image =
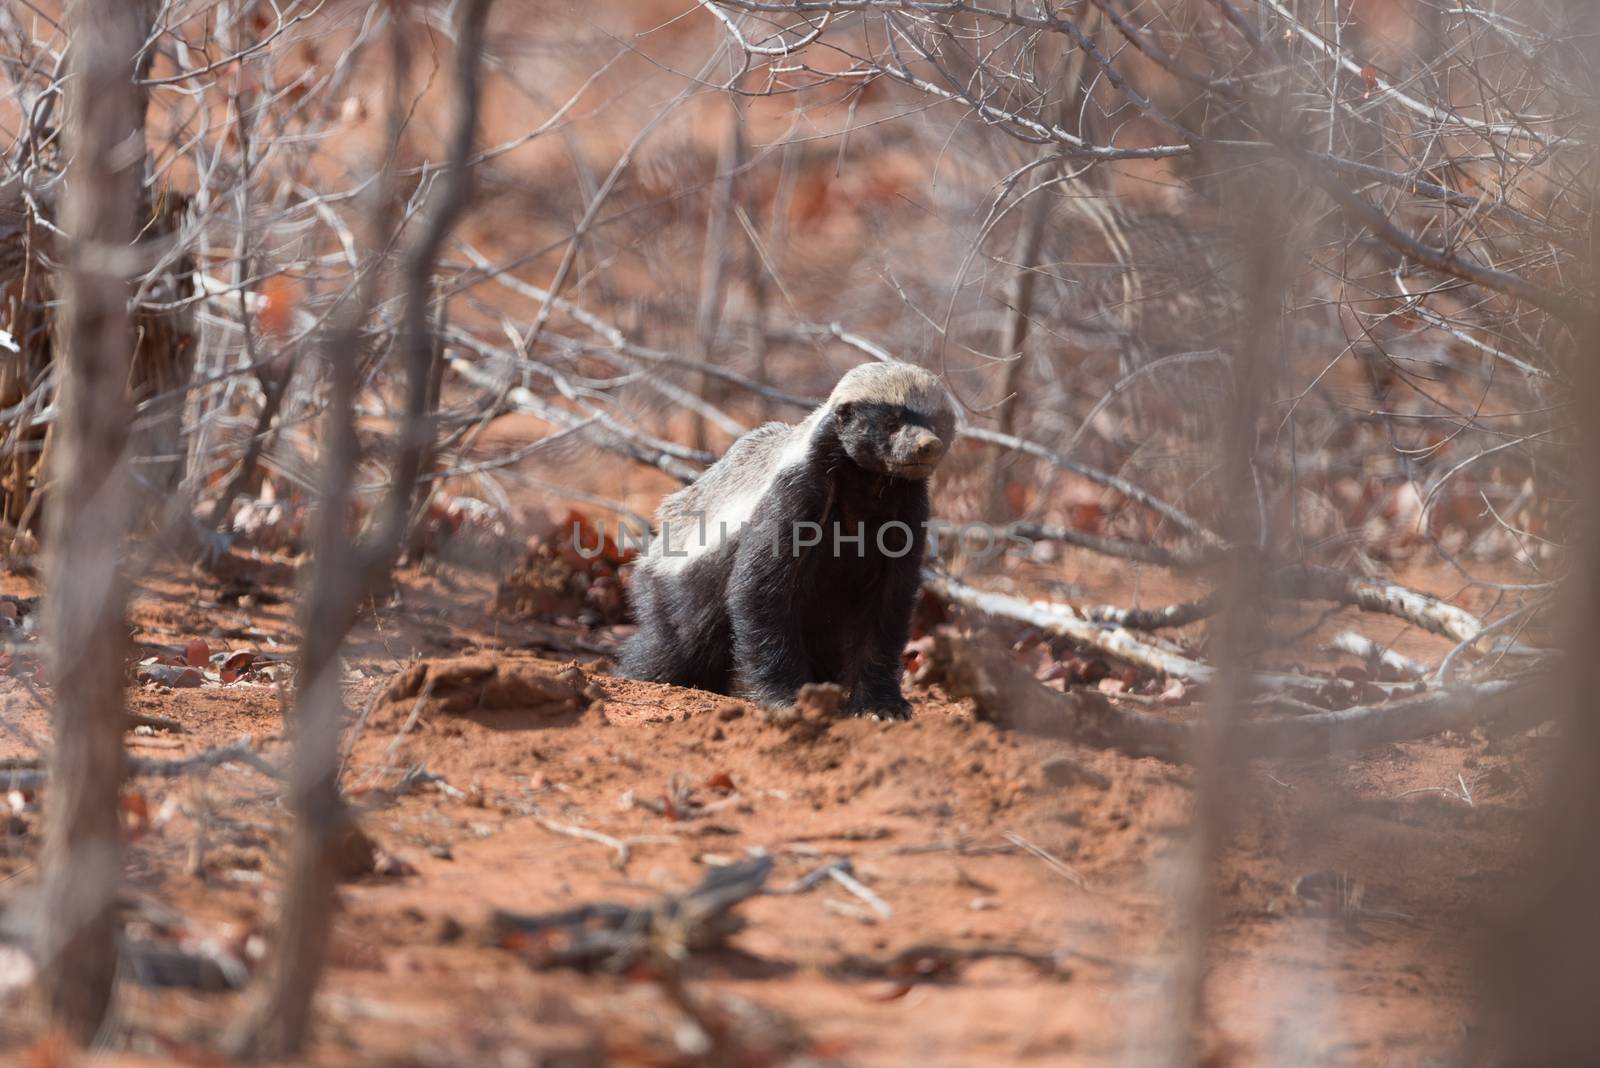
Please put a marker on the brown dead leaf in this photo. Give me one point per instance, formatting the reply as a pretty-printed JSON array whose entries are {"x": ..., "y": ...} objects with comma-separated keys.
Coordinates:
[
  {"x": 1087, "y": 516},
  {"x": 893, "y": 993},
  {"x": 915, "y": 655},
  {"x": 578, "y": 529},
  {"x": 1019, "y": 496},
  {"x": 279, "y": 298},
  {"x": 242, "y": 660},
  {"x": 135, "y": 812}
]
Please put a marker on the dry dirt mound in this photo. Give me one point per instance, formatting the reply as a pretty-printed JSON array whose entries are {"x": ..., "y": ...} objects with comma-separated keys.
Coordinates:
[{"x": 490, "y": 684}]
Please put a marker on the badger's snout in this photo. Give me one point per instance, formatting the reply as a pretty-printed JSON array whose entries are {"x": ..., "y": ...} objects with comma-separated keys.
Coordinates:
[
  {"x": 926, "y": 447},
  {"x": 916, "y": 452}
]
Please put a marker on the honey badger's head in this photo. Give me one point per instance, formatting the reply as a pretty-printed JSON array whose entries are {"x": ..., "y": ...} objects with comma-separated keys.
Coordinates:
[{"x": 893, "y": 419}]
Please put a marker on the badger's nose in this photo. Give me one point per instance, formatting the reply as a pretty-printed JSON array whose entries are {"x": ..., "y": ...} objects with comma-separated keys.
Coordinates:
[{"x": 927, "y": 448}]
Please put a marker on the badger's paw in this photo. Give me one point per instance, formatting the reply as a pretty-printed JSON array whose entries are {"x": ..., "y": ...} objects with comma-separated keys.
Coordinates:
[{"x": 885, "y": 710}]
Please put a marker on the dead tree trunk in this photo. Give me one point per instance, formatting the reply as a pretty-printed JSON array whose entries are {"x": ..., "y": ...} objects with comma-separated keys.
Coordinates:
[
  {"x": 1237, "y": 633},
  {"x": 86, "y": 595},
  {"x": 278, "y": 1022},
  {"x": 1538, "y": 968}
]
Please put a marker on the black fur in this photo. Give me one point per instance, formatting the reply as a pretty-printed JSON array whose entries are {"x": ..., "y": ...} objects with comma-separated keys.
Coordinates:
[{"x": 763, "y": 614}]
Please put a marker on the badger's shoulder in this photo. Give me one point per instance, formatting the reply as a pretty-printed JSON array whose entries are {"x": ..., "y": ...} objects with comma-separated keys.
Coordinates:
[
  {"x": 743, "y": 463},
  {"x": 709, "y": 513}
]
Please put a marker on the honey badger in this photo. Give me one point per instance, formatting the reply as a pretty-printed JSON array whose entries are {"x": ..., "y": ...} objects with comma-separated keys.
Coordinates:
[{"x": 797, "y": 556}]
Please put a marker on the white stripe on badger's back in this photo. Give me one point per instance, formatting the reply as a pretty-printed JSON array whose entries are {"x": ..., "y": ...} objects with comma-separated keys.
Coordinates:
[{"x": 702, "y": 517}]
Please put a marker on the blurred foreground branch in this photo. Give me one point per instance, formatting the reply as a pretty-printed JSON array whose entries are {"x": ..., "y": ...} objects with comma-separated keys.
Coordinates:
[
  {"x": 346, "y": 572},
  {"x": 89, "y": 515}
]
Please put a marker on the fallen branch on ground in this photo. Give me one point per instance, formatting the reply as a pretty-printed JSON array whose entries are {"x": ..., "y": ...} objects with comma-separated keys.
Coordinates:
[
  {"x": 621, "y": 847},
  {"x": 240, "y": 752},
  {"x": 1008, "y": 695},
  {"x": 1314, "y": 583},
  {"x": 1106, "y": 628},
  {"x": 1109, "y": 639},
  {"x": 1173, "y": 615},
  {"x": 1053, "y": 862},
  {"x": 1374, "y": 595},
  {"x": 929, "y": 962},
  {"x": 159, "y": 723},
  {"x": 1377, "y": 655},
  {"x": 609, "y": 937}
]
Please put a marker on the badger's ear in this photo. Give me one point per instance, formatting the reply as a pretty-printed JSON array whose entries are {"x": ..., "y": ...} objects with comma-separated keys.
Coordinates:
[{"x": 842, "y": 412}]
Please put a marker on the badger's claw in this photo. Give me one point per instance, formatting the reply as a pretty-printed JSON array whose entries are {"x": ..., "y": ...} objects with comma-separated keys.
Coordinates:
[{"x": 887, "y": 711}]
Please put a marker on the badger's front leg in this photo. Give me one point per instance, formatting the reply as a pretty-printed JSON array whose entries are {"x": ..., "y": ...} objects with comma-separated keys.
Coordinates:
[
  {"x": 877, "y": 688},
  {"x": 769, "y": 650}
]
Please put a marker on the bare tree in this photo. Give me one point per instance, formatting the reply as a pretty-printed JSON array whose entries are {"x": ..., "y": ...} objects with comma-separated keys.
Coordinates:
[
  {"x": 89, "y": 514},
  {"x": 1536, "y": 970},
  {"x": 345, "y": 573},
  {"x": 1536, "y": 967}
]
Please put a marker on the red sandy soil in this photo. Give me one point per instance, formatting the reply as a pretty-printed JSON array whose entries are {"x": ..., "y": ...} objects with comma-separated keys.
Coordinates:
[{"x": 1348, "y": 902}]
